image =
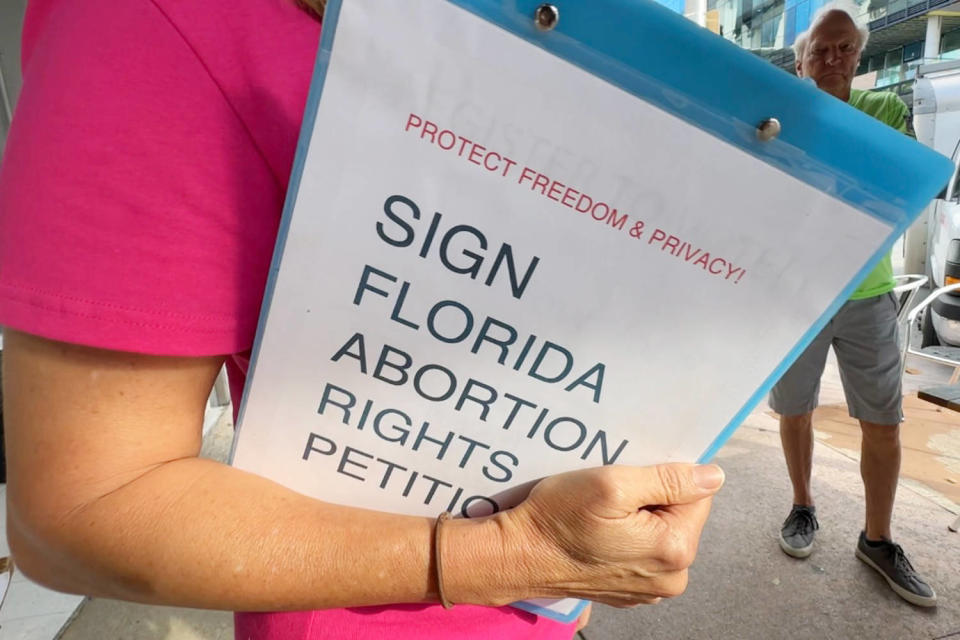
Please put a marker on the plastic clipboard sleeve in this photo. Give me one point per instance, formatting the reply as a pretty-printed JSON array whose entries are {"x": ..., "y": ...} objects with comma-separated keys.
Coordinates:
[
  {"x": 662, "y": 58},
  {"x": 684, "y": 69}
]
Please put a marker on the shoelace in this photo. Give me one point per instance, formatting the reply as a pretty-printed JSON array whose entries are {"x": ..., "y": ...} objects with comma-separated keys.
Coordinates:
[
  {"x": 803, "y": 522},
  {"x": 900, "y": 561}
]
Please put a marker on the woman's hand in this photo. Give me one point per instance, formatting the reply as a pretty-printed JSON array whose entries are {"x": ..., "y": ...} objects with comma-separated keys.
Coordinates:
[{"x": 618, "y": 535}]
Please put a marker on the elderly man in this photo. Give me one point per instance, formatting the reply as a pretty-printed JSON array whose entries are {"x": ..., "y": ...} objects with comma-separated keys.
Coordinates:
[{"x": 864, "y": 336}]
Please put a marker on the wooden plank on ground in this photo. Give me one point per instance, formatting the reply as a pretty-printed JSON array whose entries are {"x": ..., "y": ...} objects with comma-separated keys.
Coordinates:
[{"x": 930, "y": 436}]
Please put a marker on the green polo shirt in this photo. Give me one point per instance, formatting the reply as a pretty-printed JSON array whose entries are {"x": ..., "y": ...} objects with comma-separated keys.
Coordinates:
[{"x": 887, "y": 108}]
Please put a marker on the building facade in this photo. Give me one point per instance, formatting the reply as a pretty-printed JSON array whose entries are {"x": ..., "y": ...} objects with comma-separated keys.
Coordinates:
[{"x": 903, "y": 34}]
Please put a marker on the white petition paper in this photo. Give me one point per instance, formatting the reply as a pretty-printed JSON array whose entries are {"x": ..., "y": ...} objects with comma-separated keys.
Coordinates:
[{"x": 499, "y": 267}]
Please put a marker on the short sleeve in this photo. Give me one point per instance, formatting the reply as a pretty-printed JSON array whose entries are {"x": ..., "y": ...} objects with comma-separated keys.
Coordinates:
[
  {"x": 136, "y": 213},
  {"x": 898, "y": 113}
]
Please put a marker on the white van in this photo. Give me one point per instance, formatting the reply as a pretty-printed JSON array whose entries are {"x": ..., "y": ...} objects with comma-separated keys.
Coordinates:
[{"x": 935, "y": 240}]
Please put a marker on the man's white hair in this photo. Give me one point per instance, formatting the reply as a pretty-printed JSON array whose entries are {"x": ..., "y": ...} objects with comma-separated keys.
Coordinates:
[{"x": 844, "y": 6}]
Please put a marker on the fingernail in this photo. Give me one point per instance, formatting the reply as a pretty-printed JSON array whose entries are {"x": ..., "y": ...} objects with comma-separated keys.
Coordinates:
[{"x": 708, "y": 476}]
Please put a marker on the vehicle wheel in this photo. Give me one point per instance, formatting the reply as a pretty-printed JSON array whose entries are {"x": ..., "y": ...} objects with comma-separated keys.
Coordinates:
[{"x": 927, "y": 334}]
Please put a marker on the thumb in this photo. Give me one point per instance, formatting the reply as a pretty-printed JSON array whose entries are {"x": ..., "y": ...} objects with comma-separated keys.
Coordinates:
[{"x": 675, "y": 483}]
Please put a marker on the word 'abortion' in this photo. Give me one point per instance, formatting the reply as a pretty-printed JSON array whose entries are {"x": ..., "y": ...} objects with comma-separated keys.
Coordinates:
[{"x": 452, "y": 322}]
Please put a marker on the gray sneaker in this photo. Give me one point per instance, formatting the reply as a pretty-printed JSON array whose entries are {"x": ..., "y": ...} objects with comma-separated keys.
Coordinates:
[
  {"x": 890, "y": 561},
  {"x": 796, "y": 534}
]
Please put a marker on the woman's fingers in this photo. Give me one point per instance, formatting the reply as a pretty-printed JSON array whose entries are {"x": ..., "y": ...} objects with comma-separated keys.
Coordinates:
[
  {"x": 619, "y": 535},
  {"x": 673, "y": 533},
  {"x": 668, "y": 484}
]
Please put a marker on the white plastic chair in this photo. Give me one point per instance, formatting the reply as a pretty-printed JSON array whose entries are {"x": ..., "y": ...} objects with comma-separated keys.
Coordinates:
[
  {"x": 908, "y": 283},
  {"x": 942, "y": 354}
]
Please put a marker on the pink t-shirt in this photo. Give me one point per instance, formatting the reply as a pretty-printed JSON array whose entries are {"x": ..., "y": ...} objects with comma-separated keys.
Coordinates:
[{"x": 140, "y": 194}]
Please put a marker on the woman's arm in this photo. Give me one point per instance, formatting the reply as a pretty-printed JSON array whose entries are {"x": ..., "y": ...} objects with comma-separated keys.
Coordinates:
[{"x": 106, "y": 497}]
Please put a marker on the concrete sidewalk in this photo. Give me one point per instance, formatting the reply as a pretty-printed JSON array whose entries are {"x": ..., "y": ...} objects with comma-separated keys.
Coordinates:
[{"x": 742, "y": 586}]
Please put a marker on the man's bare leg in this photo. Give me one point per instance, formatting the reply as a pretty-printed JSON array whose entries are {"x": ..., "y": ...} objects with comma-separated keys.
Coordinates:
[
  {"x": 796, "y": 436},
  {"x": 796, "y": 534},
  {"x": 880, "y": 469}
]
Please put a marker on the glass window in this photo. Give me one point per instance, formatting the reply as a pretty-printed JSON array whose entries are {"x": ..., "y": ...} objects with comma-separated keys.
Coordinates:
[
  {"x": 728, "y": 16},
  {"x": 913, "y": 51},
  {"x": 896, "y": 5},
  {"x": 876, "y": 62},
  {"x": 876, "y": 9},
  {"x": 950, "y": 41},
  {"x": 790, "y": 27},
  {"x": 769, "y": 32},
  {"x": 803, "y": 16},
  {"x": 893, "y": 58}
]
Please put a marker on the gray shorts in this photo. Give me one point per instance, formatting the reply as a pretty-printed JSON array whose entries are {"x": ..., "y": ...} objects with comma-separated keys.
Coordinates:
[{"x": 865, "y": 337}]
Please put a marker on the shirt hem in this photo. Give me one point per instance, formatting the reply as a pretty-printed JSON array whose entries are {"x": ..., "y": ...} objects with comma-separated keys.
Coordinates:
[
  {"x": 873, "y": 293},
  {"x": 105, "y": 326}
]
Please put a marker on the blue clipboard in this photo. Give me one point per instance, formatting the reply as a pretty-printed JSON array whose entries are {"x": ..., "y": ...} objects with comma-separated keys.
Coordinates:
[{"x": 671, "y": 63}]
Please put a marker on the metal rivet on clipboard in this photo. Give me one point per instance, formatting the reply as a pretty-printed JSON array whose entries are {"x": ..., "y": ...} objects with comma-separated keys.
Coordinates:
[
  {"x": 546, "y": 17},
  {"x": 768, "y": 129}
]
